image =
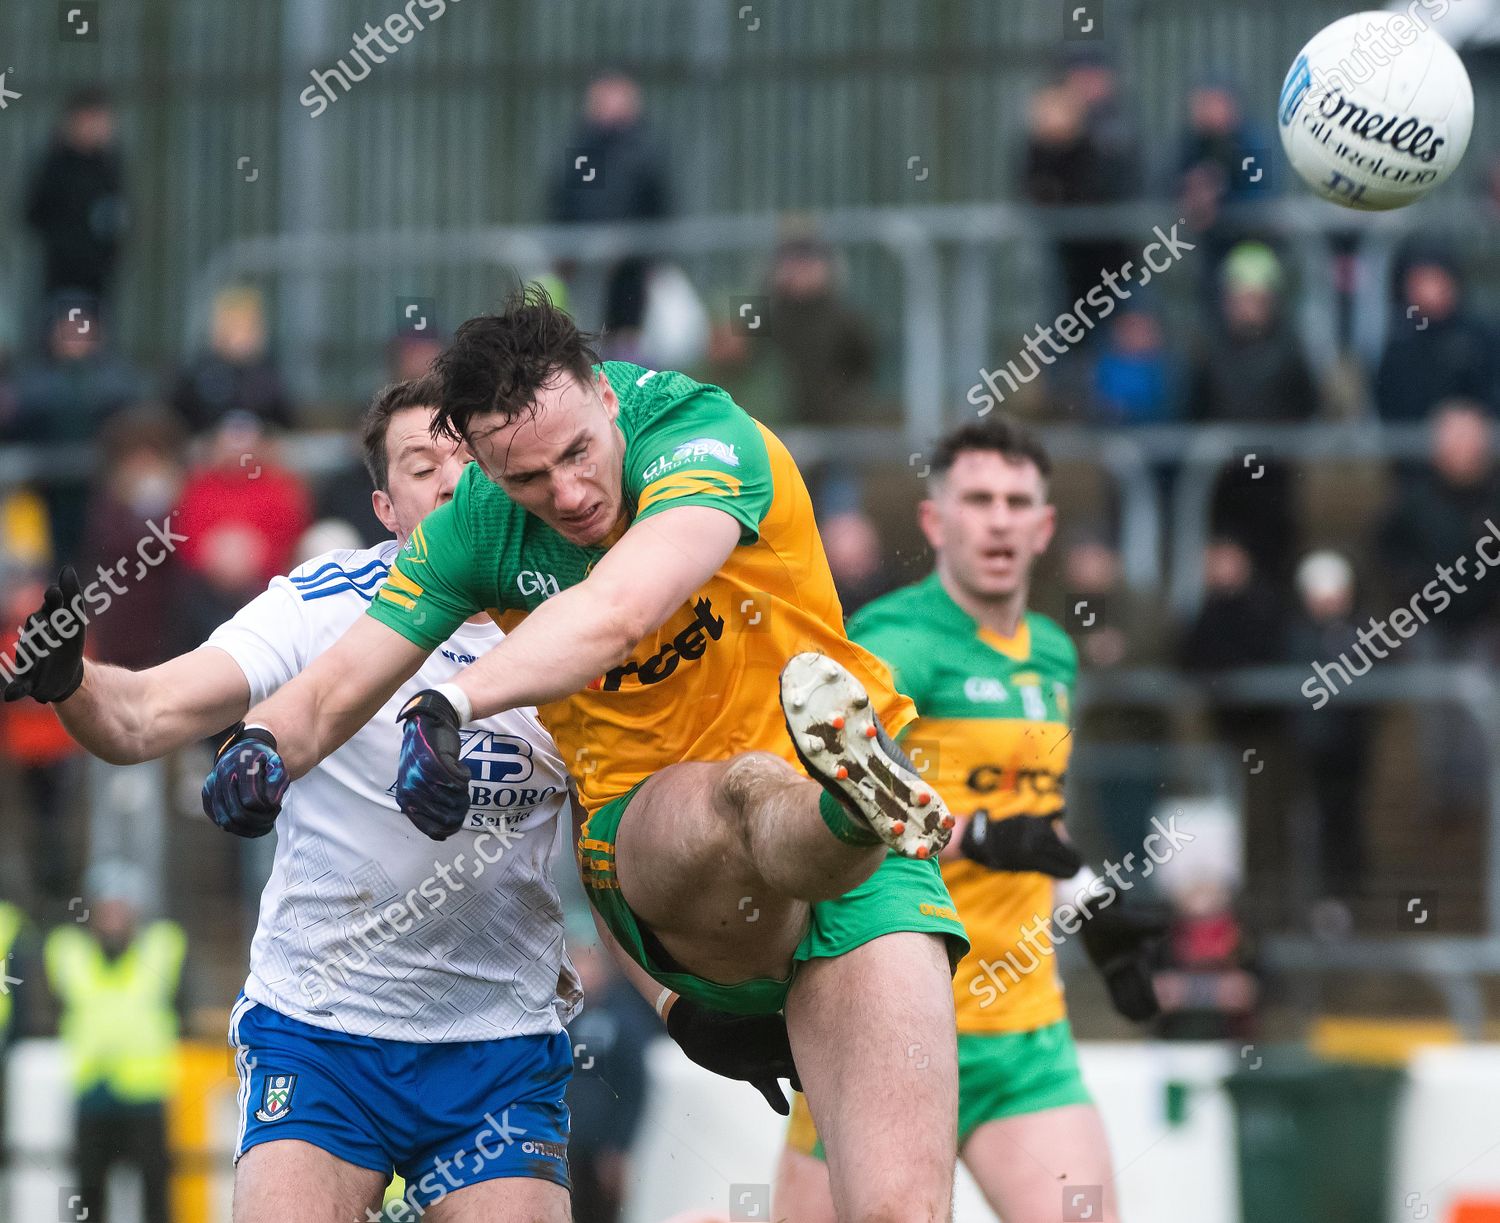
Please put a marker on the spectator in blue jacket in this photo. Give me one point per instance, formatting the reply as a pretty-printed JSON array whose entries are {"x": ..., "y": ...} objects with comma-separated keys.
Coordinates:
[{"x": 1437, "y": 348}]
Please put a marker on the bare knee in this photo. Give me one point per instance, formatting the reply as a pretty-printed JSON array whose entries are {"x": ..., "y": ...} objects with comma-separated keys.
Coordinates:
[
  {"x": 745, "y": 778},
  {"x": 772, "y": 810},
  {"x": 900, "y": 1203},
  {"x": 898, "y": 1209}
]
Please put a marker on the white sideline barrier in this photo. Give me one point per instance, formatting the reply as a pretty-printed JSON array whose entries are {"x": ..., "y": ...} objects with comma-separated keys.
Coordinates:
[
  {"x": 1447, "y": 1132},
  {"x": 704, "y": 1138},
  {"x": 707, "y": 1143},
  {"x": 39, "y": 1117}
]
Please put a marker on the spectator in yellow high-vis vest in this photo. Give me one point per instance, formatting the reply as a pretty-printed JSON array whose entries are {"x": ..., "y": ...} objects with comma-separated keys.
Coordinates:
[
  {"x": 18, "y": 955},
  {"x": 16, "y": 939},
  {"x": 117, "y": 981}
]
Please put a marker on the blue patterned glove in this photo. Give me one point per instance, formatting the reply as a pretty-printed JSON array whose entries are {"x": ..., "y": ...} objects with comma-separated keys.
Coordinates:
[
  {"x": 432, "y": 784},
  {"x": 244, "y": 789}
]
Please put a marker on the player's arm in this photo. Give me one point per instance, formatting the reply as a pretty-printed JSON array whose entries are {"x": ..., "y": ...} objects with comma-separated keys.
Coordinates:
[
  {"x": 642, "y": 981},
  {"x": 577, "y": 635},
  {"x": 121, "y": 716},
  {"x": 304, "y": 721},
  {"x": 1122, "y": 938},
  {"x": 431, "y": 589},
  {"x": 1019, "y": 843},
  {"x": 342, "y": 689},
  {"x": 124, "y": 717}
]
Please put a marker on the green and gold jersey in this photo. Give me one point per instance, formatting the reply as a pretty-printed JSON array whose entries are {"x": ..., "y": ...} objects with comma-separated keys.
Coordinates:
[
  {"x": 991, "y": 734},
  {"x": 705, "y": 685}
]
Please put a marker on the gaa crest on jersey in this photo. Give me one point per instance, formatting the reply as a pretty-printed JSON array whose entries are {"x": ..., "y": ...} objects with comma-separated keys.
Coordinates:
[
  {"x": 276, "y": 1097},
  {"x": 984, "y": 690}
]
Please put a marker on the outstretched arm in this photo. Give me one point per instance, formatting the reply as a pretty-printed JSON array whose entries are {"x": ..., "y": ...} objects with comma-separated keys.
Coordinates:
[
  {"x": 124, "y": 717},
  {"x": 121, "y": 716},
  {"x": 341, "y": 690},
  {"x": 576, "y": 636}
]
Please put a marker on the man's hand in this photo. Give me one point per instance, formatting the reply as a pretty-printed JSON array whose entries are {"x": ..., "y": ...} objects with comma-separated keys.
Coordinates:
[
  {"x": 751, "y": 1048},
  {"x": 55, "y": 672},
  {"x": 244, "y": 789},
  {"x": 432, "y": 785},
  {"x": 1020, "y": 843},
  {"x": 1123, "y": 943}
]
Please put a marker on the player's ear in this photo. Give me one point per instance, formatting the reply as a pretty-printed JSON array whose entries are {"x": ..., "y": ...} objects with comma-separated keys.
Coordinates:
[
  {"x": 607, "y": 396},
  {"x": 1046, "y": 528},
  {"x": 385, "y": 511},
  {"x": 928, "y": 519}
]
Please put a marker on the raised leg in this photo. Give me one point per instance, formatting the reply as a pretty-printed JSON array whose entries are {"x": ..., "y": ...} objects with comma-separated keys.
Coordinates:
[{"x": 721, "y": 860}]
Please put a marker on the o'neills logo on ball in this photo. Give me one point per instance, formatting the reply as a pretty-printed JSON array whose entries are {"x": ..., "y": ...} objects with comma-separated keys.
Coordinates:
[{"x": 1403, "y": 133}]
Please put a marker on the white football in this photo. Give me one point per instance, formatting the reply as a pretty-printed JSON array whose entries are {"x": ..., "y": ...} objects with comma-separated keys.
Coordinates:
[{"x": 1376, "y": 111}]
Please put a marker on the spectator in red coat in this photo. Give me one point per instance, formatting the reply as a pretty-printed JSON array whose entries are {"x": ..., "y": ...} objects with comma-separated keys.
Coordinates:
[
  {"x": 36, "y": 746},
  {"x": 242, "y": 514}
]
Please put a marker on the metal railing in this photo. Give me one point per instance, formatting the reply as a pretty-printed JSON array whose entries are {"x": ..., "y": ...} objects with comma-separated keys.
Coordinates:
[
  {"x": 1151, "y": 559},
  {"x": 946, "y": 256},
  {"x": 949, "y": 325},
  {"x": 1200, "y": 454},
  {"x": 1452, "y": 963}
]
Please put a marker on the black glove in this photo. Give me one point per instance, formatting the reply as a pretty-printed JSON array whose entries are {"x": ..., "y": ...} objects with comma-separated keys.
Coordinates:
[
  {"x": 243, "y": 791},
  {"x": 752, "y": 1048},
  {"x": 1123, "y": 943},
  {"x": 1020, "y": 843},
  {"x": 55, "y": 672},
  {"x": 432, "y": 784}
]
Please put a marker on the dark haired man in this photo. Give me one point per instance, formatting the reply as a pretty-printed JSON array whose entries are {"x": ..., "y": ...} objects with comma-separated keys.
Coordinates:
[
  {"x": 652, "y": 553},
  {"x": 404, "y": 1007},
  {"x": 991, "y": 681}
]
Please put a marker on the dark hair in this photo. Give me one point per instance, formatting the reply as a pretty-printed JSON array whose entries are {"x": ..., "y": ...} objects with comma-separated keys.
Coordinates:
[
  {"x": 999, "y": 435},
  {"x": 424, "y": 392},
  {"x": 89, "y": 97},
  {"x": 499, "y": 362}
]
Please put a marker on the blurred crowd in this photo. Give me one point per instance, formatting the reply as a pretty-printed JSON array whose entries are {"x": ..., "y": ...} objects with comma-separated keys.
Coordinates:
[{"x": 205, "y": 447}]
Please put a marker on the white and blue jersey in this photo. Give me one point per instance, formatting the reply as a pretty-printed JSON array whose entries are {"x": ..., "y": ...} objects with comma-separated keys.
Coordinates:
[{"x": 367, "y": 927}]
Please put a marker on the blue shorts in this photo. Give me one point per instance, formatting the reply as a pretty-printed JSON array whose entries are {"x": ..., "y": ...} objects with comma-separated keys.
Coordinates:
[{"x": 442, "y": 1115}]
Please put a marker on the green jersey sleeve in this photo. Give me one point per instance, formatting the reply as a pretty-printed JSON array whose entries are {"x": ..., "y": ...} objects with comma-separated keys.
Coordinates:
[
  {"x": 703, "y": 450},
  {"x": 436, "y": 582}
]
